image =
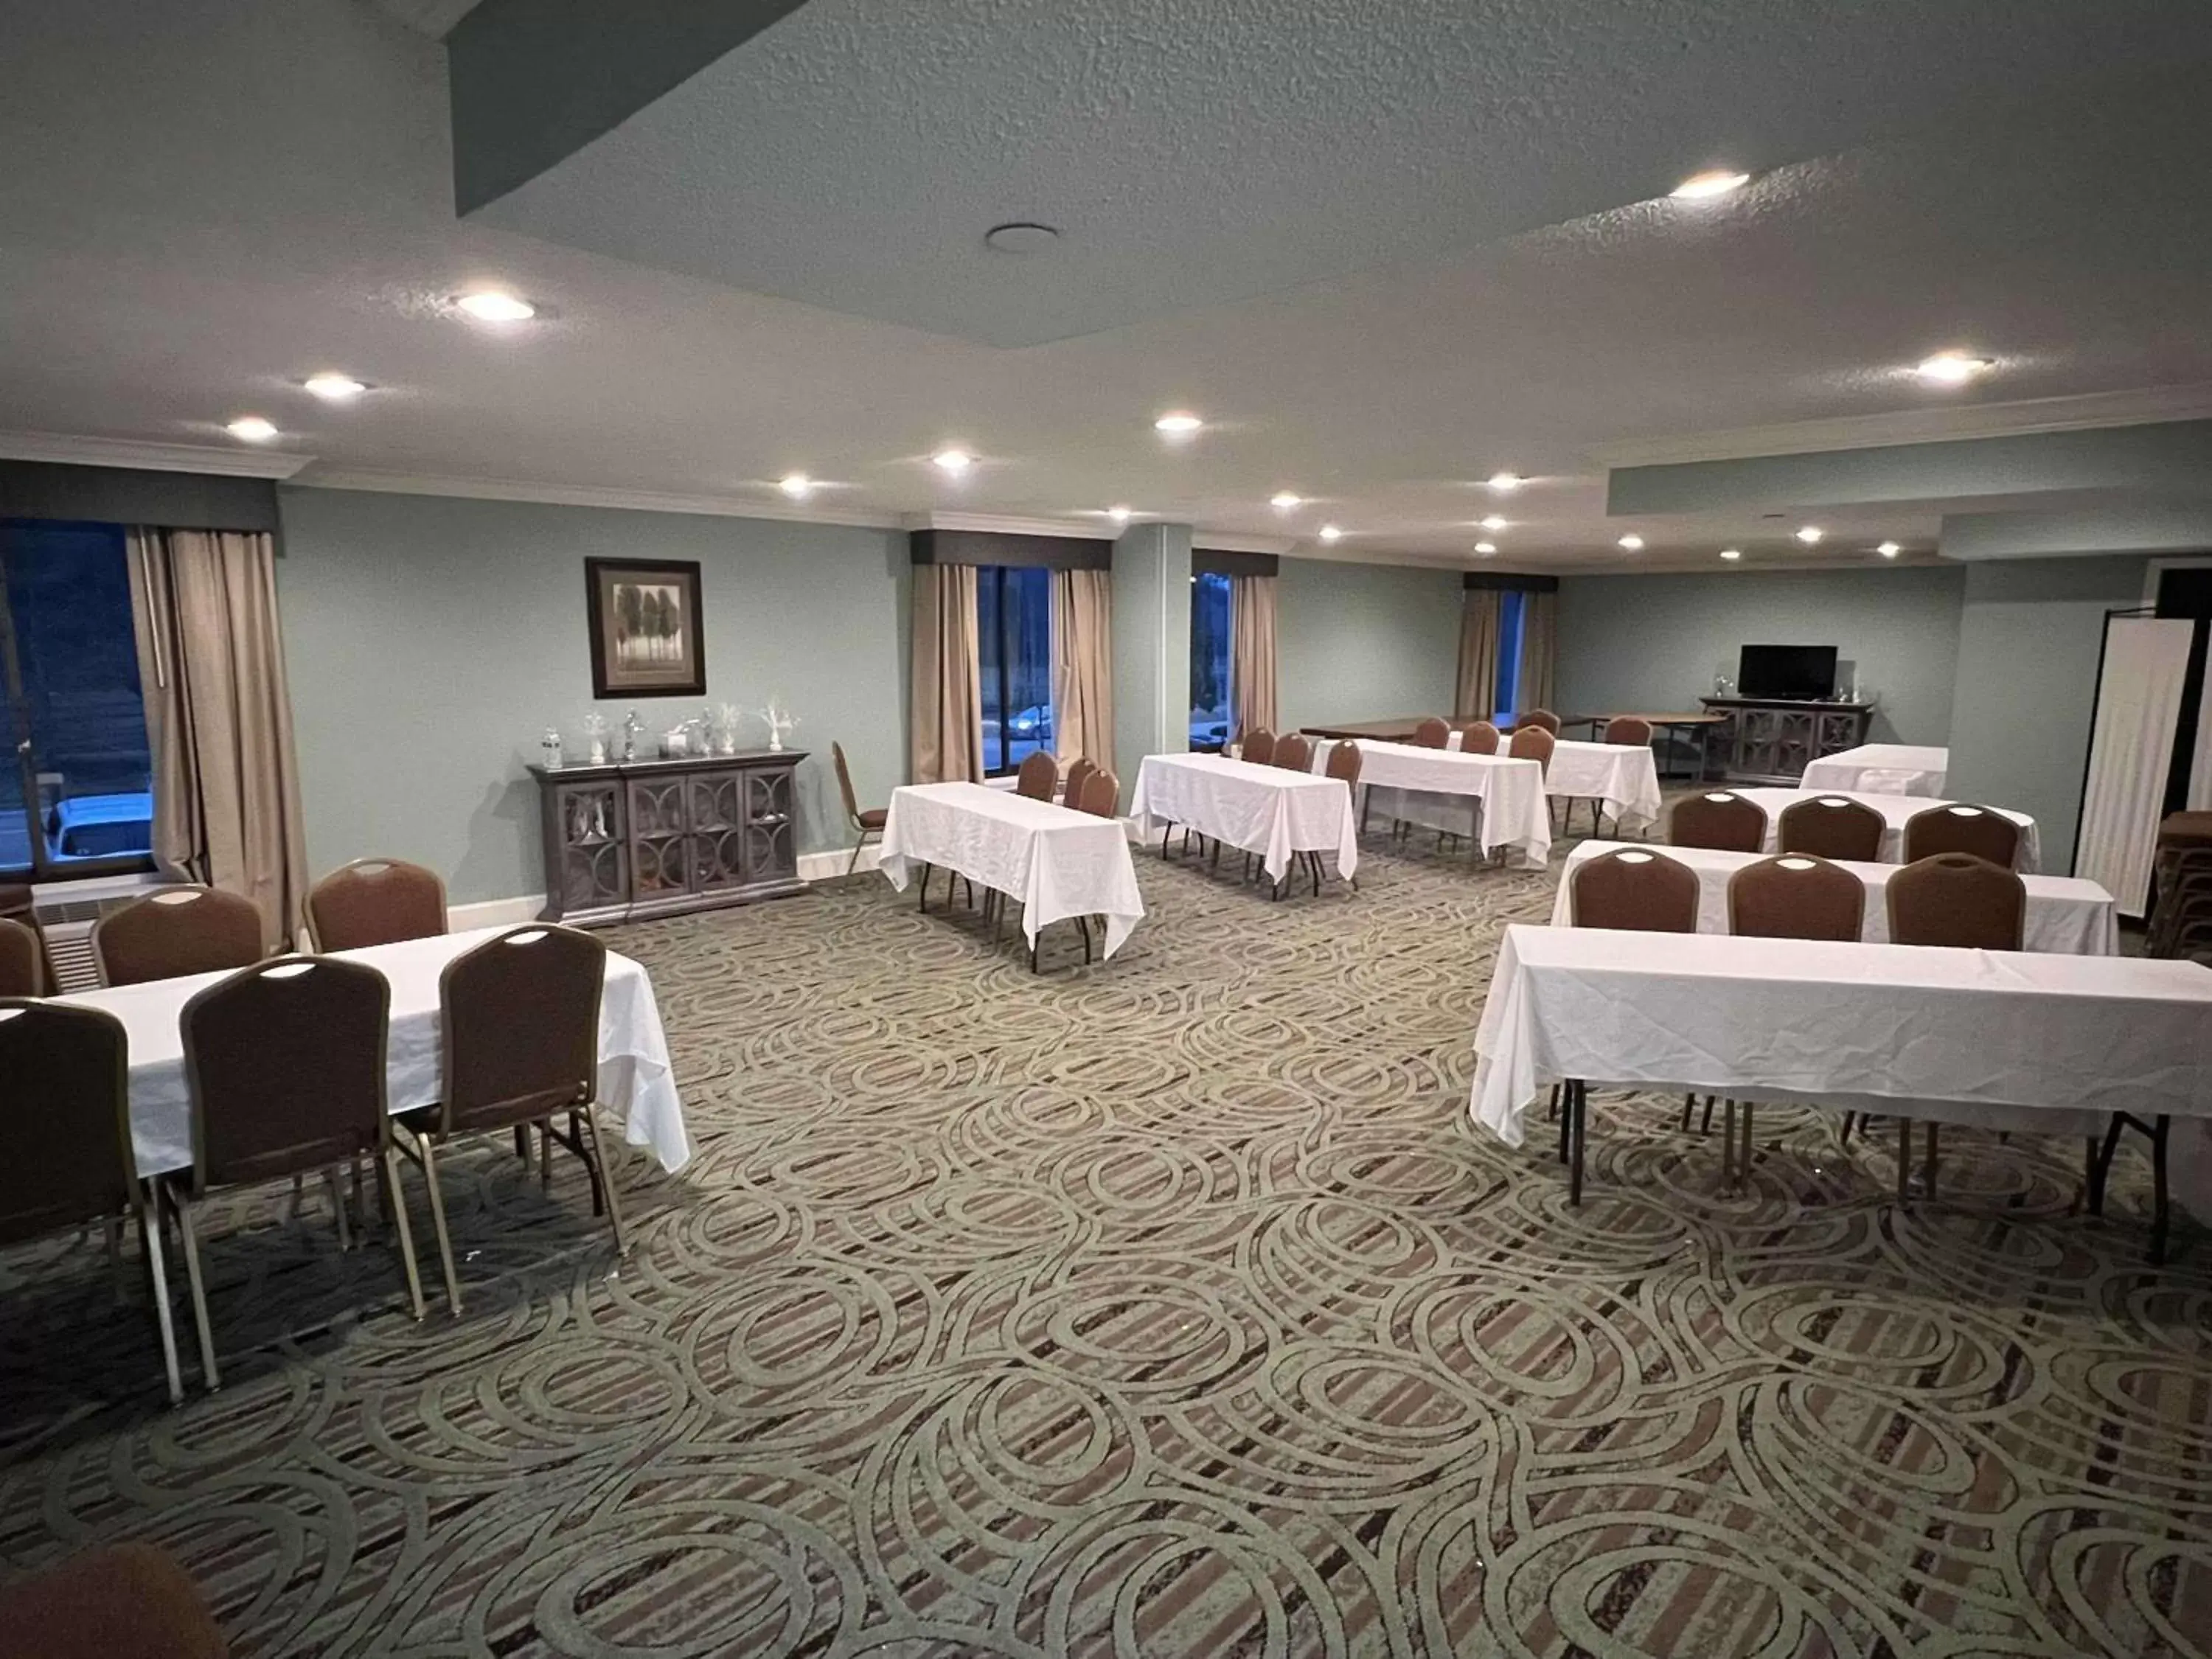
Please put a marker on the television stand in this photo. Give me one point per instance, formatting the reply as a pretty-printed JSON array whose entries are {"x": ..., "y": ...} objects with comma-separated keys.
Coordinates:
[{"x": 1774, "y": 739}]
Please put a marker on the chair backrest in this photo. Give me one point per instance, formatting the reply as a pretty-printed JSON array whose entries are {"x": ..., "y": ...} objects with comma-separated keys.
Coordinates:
[
  {"x": 1796, "y": 897},
  {"x": 285, "y": 1063},
  {"x": 1344, "y": 759},
  {"x": 1294, "y": 753},
  {"x": 1531, "y": 743},
  {"x": 1434, "y": 733},
  {"x": 63, "y": 1078},
  {"x": 1642, "y": 891},
  {"x": 845, "y": 782},
  {"x": 1958, "y": 900},
  {"x": 23, "y": 960},
  {"x": 1078, "y": 772},
  {"x": 176, "y": 931},
  {"x": 1478, "y": 737},
  {"x": 1543, "y": 717},
  {"x": 1629, "y": 729},
  {"x": 521, "y": 1015},
  {"x": 1718, "y": 820},
  {"x": 1258, "y": 747},
  {"x": 1102, "y": 794},
  {"x": 376, "y": 902},
  {"x": 1038, "y": 777},
  {"x": 1961, "y": 828},
  {"x": 1831, "y": 827}
]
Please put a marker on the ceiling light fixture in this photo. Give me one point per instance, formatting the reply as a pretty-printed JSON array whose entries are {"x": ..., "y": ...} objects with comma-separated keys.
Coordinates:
[
  {"x": 1634, "y": 543},
  {"x": 1493, "y": 524},
  {"x": 1704, "y": 186},
  {"x": 1731, "y": 554},
  {"x": 1505, "y": 483},
  {"x": 1329, "y": 532},
  {"x": 797, "y": 485},
  {"x": 1020, "y": 236},
  {"x": 252, "y": 428},
  {"x": 1951, "y": 367},
  {"x": 953, "y": 461},
  {"x": 491, "y": 304},
  {"x": 1809, "y": 534},
  {"x": 1119, "y": 514},
  {"x": 1178, "y": 424},
  {"x": 1889, "y": 549},
  {"x": 1487, "y": 549},
  {"x": 334, "y": 388},
  {"x": 1284, "y": 502}
]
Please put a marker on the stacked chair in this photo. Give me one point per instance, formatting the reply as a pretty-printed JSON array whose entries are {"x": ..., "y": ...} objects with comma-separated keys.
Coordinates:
[{"x": 2181, "y": 903}]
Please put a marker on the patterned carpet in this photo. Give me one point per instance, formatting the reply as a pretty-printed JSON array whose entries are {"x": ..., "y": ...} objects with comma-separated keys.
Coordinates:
[{"x": 1167, "y": 1307}]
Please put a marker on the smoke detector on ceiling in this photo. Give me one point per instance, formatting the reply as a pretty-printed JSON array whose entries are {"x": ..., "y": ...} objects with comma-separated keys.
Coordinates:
[{"x": 1020, "y": 236}]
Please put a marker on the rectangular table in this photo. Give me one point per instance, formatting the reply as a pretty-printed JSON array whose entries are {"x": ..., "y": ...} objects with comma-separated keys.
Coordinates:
[
  {"x": 1255, "y": 809},
  {"x": 1895, "y": 811},
  {"x": 1623, "y": 777},
  {"x": 634, "y": 1081},
  {"x": 1499, "y": 801},
  {"x": 1399, "y": 729},
  {"x": 1882, "y": 769},
  {"x": 1700, "y": 724},
  {"x": 1058, "y": 862}
]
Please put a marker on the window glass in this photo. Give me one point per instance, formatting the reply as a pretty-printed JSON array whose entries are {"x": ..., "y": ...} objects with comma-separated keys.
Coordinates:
[
  {"x": 1013, "y": 619},
  {"x": 1209, "y": 662},
  {"x": 1507, "y": 690}
]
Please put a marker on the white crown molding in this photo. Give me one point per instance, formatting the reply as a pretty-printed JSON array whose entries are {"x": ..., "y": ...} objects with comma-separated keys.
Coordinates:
[
  {"x": 557, "y": 495},
  {"x": 1947, "y": 424},
  {"x": 1000, "y": 524},
  {"x": 1230, "y": 541},
  {"x": 75, "y": 451}
]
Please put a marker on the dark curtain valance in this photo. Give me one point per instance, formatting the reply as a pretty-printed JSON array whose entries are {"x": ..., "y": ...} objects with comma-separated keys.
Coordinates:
[
  {"x": 1476, "y": 581},
  {"x": 1218, "y": 562},
  {"x": 998, "y": 547},
  {"x": 117, "y": 494}
]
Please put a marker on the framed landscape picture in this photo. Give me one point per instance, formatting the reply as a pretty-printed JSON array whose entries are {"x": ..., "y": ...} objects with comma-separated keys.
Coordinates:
[{"x": 646, "y": 640}]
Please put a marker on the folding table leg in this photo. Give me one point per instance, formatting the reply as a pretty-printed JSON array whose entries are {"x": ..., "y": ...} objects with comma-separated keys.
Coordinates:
[
  {"x": 2157, "y": 1197},
  {"x": 1903, "y": 1160},
  {"x": 921, "y": 891},
  {"x": 388, "y": 1166},
  {"x": 150, "y": 1234},
  {"x": 338, "y": 1208},
  {"x": 1743, "y": 1155},
  {"x": 1927, "y": 1180},
  {"x": 1727, "y": 1143},
  {"x": 209, "y": 1374},
  {"x": 1580, "y": 1112}
]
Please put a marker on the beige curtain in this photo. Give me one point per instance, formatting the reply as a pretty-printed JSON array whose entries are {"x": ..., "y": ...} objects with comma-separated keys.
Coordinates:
[
  {"x": 1540, "y": 650},
  {"x": 1252, "y": 652},
  {"x": 1478, "y": 654},
  {"x": 219, "y": 718},
  {"x": 947, "y": 733},
  {"x": 1082, "y": 665}
]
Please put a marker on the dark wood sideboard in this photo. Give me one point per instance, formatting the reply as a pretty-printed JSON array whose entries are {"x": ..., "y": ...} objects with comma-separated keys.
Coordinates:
[
  {"x": 635, "y": 839},
  {"x": 1763, "y": 740}
]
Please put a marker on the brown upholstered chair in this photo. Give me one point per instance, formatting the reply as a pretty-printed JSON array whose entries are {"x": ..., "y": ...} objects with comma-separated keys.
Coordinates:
[
  {"x": 1038, "y": 776},
  {"x": 174, "y": 933},
  {"x": 1831, "y": 827},
  {"x": 1629, "y": 731},
  {"x": 376, "y": 902},
  {"x": 64, "y": 1093},
  {"x": 1640, "y": 891},
  {"x": 1294, "y": 753},
  {"x": 1532, "y": 742},
  {"x": 1961, "y": 828},
  {"x": 1102, "y": 794},
  {"x": 122, "y": 1601},
  {"x": 521, "y": 1018},
  {"x": 1434, "y": 733},
  {"x": 1079, "y": 772},
  {"x": 1958, "y": 900},
  {"x": 1258, "y": 747},
  {"x": 23, "y": 960},
  {"x": 1478, "y": 737},
  {"x": 865, "y": 821},
  {"x": 1540, "y": 717},
  {"x": 1718, "y": 821},
  {"x": 285, "y": 1065},
  {"x": 1344, "y": 759},
  {"x": 1796, "y": 897}
]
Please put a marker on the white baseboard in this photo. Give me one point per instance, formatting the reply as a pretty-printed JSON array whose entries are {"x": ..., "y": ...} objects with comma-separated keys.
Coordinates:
[
  {"x": 495, "y": 913},
  {"x": 828, "y": 866}
]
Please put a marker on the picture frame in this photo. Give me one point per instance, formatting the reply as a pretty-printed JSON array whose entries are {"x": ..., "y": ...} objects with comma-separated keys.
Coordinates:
[{"x": 646, "y": 636}]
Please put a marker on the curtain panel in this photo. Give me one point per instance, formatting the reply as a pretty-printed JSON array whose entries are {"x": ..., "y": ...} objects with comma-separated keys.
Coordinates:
[
  {"x": 946, "y": 730},
  {"x": 1082, "y": 665},
  {"x": 226, "y": 778},
  {"x": 1539, "y": 651},
  {"x": 1252, "y": 652},
  {"x": 1478, "y": 654}
]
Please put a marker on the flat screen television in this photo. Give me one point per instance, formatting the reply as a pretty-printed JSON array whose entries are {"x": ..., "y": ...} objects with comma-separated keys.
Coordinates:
[{"x": 1787, "y": 670}]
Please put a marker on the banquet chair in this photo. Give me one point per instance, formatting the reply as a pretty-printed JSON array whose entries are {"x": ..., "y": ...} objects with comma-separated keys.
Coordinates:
[
  {"x": 1960, "y": 828},
  {"x": 1631, "y": 731},
  {"x": 1344, "y": 759},
  {"x": 23, "y": 960},
  {"x": 1718, "y": 822},
  {"x": 1478, "y": 737},
  {"x": 1258, "y": 747},
  {"x": 1434, "y": 733},
  {"x": 1102, "y": 794},
  {"x": 1797, "y": 895},
  {"x": 1078, "y": 771},
  {"x": 1539, "y": 717},
  {"x": 375, "y": 901},
  {"x": 128, "y": 1601},
  {"x": 64, "y": 1089},
  {"x": 1531, "y": 743},
  {"x": 865, "y": 821},
  {"x": 1957, "y": 900},
  {"x": 1038, "y": 776},
  {"x": 521, "y": 1018},
  {"x": 1294, "y": 753},
  {"x": 1831, "y": 827},
  {"x": 174, "y": 933},
  {"x": 1638, "y": 891},
  {"x": 284, "y": 1064}
]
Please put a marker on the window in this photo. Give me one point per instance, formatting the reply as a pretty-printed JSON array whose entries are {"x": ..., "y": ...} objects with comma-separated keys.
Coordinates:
[
  {"x": 1209, "y": 662},
  {"x": 75, "y": 791},
  {"x": 1013, "y": 622},
  {"x": 1507, "y": 687}
]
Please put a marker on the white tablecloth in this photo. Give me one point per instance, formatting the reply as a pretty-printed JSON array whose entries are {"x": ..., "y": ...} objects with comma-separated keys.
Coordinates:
[
  {"x": 1409, "y": 783},
  {"x": 1882, "y": 769},
  {"x": 2007, "y": 1039},
  {"x": 1895, "y": 811},
  {"x": 1622, "y": 777},
  {"x": 1257, "y": 809},
  {"x": 2065, "y": 916},
  {"x": 634, "y": 1081},
  {"x": 1057, "y": 861}
]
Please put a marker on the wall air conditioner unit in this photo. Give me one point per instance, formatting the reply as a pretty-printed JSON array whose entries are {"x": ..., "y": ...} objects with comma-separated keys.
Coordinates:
[{"x": 66, "y": 926}]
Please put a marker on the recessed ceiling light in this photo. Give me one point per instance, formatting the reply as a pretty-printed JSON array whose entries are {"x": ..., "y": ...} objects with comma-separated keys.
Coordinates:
[
  {"x": 1119, "y": 514},
  {"x": 252, "y": 428},
  {"x": 1505, "y": 483},
  {"x": 1951, "y": 367},
  {"x": 1731, "y": 554},
  {"x": 1178, "y": 424},
  {"x": 1284, "y": 502},
  {"x": 1889, "y": 549},
  {"x": 1715, "y": 181},
  {"x": 335, "y": 388},
  {"x": 1020, "y": 236},
  {"x": 1633, "y": 543},
  {"x": 797, "y": 485},
  {"x": 1493, "y": 524},
  {"x": 1329, "y": 532},
  {"x": 1486, "y": 547},
  {"x": 1809, "y": 534},
  {"x": 954, "y": 461},
  {"x": 491, "y": 304}
]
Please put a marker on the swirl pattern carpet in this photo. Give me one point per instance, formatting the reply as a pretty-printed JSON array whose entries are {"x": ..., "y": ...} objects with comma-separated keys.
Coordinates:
[{"x": 1170, "y": 1306}]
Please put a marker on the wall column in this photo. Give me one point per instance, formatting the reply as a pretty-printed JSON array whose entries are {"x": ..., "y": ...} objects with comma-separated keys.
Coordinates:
[{"x": 1151, "y": 646}]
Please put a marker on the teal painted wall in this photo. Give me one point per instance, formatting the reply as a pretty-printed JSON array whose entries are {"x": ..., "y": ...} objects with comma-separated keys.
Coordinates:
[
  {"x": 430, "y": 640},
  {"x": 1363, "y": 641},
  {"x": 1152, "y": 647}
]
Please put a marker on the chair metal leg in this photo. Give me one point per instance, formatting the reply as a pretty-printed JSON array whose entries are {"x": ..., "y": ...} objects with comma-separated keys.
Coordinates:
[
  {"x": 299, "y": 1197},
  {"x": 1578, "y": 1110},
  {"x": 1083, "y": 926},
  {"x": 522, "y": 1141},
  {"x": 427, "y": 1158},
  {"x": 1688, "y": 1101},
  {"x": 331, "y": 1179},
  {"x": 1903, "y": 1160},
  {"x": 149, "y": 1235},
  {"x": 606, "y": 1176},
  {"x": 1727, "y": 1143},
  {"x": 209, "y": 1374},
  {"x": 119, "y": 1275},
  {"x": 2159, "y": 1211},
  {"x": 1851, "y": 1119},
  {"x": 855, "y": 863},
  {"x": 389, "y": 1166},
  {"x": 1167, "y": 829},
  {"x": 546, "y": 1159},
  {"x": 1706, "y": 1122},
  {"x": 1929, "y": 1179},
  {"x": 922, "y": 893},
  {"x": 1743, "y": 1154}
]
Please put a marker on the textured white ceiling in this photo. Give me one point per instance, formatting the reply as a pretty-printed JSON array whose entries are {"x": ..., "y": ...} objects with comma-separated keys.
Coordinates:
[
  {"x": 434, "y": 18},
  {"x": 207, "y": 200}
]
